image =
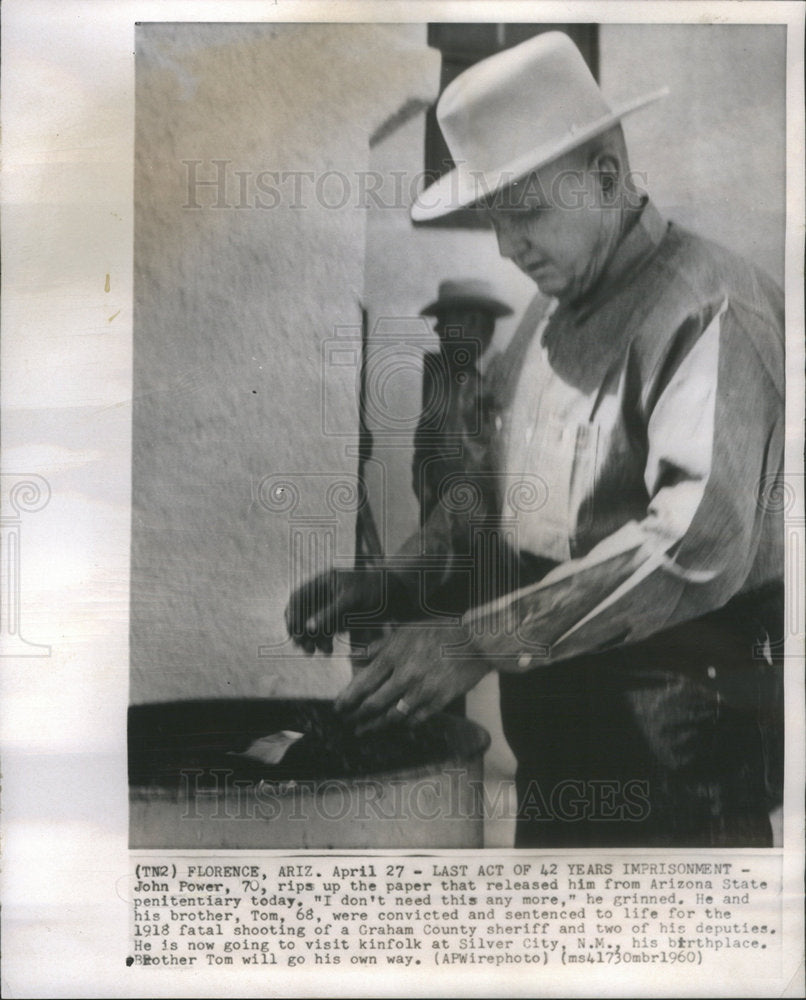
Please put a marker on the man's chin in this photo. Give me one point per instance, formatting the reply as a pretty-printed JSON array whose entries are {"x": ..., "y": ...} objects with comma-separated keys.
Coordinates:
[{"x": 548, "y": 284}]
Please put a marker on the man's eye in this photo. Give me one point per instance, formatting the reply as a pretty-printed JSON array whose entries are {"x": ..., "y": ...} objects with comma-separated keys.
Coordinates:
[{"x": 533, "y": 207}]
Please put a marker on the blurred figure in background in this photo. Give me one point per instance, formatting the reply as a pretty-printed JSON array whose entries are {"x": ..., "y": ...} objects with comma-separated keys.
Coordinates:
[{"x": 445, "y": 445}]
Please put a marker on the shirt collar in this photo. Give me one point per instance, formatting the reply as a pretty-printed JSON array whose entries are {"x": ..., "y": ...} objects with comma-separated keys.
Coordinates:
[{"x": 635, "y": 249}]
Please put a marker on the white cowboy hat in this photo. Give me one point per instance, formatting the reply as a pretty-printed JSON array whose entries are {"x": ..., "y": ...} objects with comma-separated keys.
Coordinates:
[
  {"x": 513, "y": 113},
  {"x": 468, "y": 293}
]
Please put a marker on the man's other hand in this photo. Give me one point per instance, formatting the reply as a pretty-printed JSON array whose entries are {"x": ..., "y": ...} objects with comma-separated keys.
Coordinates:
[
  {"x": 319, "y": 608},
  {"x": 413, "y": 676}
]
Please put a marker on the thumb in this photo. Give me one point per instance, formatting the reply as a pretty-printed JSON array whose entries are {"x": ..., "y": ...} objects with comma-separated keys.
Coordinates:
[{"x": 364, "y": 682}]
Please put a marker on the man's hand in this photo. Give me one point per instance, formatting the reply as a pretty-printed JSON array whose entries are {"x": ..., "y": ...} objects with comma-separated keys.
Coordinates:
[
  {"x": 413, "y": 676},
  {"x": 318, "y": 609}
]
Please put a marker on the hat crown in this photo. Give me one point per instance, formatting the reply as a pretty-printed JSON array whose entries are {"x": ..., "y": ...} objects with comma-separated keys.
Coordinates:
[
  {"x": 513, "y": 113},
  {"x": 470, "y": 288},
  {"x": 523, "y": 99}
]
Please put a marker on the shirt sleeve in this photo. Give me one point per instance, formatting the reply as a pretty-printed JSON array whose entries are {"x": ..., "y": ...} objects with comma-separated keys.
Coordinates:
[
  {"x": 714, "y": 431},
  {"x": 425, "y": 564}
]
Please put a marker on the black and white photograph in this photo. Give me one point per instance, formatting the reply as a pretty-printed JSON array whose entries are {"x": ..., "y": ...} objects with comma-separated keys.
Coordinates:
[
  {"x": 458, "y": 395},
  {"x": 403, "y": 520}
]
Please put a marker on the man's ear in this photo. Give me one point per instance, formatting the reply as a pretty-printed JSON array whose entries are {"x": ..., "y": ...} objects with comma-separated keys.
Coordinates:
[{"x": 606, "y": 167}]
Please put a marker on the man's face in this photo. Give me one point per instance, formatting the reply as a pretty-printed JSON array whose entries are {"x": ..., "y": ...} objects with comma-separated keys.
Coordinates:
[
  {"x": 554, "y": 226},
  {"x": 464, "y": 323}
]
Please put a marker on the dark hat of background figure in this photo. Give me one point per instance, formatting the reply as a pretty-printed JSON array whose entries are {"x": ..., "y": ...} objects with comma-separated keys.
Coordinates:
[{"x": 467, "y": 293}]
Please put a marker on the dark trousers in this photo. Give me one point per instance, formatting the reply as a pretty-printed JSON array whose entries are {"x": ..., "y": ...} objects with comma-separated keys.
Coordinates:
[{"x": 672, "y": 741}]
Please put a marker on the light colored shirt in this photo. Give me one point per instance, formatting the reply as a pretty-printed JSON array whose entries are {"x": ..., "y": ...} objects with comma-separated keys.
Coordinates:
[{"x": 638, "y": 436}]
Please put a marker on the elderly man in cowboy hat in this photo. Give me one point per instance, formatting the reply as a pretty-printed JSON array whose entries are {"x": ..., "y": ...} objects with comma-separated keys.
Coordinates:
[{"x": 639, "y": 651}]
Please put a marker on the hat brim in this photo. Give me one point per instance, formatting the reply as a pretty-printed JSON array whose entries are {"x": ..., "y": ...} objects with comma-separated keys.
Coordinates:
[
  {"x": 492, "y": 306},
  {"x": 463, "y": 187}
]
